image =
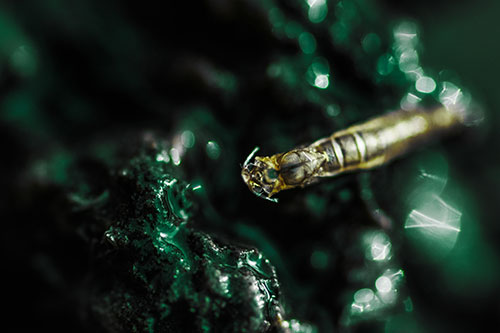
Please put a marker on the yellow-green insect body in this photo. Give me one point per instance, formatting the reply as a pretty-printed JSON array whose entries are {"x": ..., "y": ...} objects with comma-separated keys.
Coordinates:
[{"x": 360, "y": 147}]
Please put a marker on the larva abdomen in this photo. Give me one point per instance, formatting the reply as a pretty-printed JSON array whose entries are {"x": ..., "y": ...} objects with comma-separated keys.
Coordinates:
[{"x": 384, "y": 138}]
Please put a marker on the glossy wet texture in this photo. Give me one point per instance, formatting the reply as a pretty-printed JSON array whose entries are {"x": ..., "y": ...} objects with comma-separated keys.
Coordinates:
[{"x": 124, "y": 127}]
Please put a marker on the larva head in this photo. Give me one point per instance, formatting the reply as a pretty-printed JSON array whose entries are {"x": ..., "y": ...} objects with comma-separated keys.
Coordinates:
[{"x": 261, "y": 176}]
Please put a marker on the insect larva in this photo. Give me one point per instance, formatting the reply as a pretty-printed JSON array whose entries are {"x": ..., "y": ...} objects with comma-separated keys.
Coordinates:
[{"x": 359, "y": 147}]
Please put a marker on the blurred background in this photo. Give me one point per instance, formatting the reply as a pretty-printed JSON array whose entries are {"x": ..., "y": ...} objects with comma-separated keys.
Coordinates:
[{"x": 411, "y": 247}]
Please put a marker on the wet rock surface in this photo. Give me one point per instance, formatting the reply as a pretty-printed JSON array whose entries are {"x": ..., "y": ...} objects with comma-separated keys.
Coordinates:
[{"x": 123, "y": 129}]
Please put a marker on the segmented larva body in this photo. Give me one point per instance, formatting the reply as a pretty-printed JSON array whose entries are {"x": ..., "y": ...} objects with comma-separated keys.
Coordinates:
[
  {"x": 381, "y": 139},
  {"x": 359, "y": 147}
]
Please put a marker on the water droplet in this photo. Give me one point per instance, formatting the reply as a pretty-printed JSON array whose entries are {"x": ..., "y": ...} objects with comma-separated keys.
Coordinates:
[
  {"x": 452, "y": 96},
  {"x": 425, "y": 84},
  {"x": 408, "y": 61},
  {"x": 187, "y": 139},
  {"x": 433, "y": 225},
  {"x": 276, "y": 17},
  {"x": 364, "y": 295},
  {"x": 406, "y": 34},
  {"x": 293, "y": 29},
  {"x": 320, "y": 66},
  {"x": 319, "y": 259},
  {"x": 378, "y": 246},
  {"x": 322, "y": 81},
  {"x": 213, "y": 150},
  {"x": 371, "y": 43},
  {"x": 274, "y": 70},
  {"x": 317, "y": 10},
  {"x": 409, "y": 101},
  {"x": 383, "y": 284},
  {"x": 176, "y": 156},
  {"x": 332, "y": 110},
  {"x": 385, "y": 64},
  {"x": 307, "y": 43},
  {"x": 163, "y": 157}
]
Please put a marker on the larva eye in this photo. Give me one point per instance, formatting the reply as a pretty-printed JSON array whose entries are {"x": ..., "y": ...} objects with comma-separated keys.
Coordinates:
[{"x": 271, "y": 175}]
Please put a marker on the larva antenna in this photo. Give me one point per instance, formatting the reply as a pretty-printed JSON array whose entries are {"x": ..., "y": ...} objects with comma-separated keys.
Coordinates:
[{"x": 250, "y": 156}]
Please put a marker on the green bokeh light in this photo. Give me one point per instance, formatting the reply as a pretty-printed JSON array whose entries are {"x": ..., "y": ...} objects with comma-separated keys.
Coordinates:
[
  {"x": 307, "y": 43},
  {"x": 319, "y": 259},
  {"x": 318, "y": 10},
  {"x": 213, "y": 150}
]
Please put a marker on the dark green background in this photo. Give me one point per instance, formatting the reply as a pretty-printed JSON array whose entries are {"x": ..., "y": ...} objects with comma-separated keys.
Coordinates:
[{"x": 105, "y": 68}]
